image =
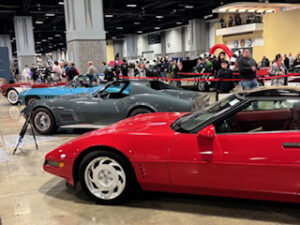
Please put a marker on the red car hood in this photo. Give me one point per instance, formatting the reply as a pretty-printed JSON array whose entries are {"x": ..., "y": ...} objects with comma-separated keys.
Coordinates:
[{"x": 141, "y": 124}]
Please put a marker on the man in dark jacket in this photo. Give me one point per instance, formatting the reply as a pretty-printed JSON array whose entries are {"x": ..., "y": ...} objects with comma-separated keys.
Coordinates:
[
  {"x": 247, "y": 68},
  {"x": 224, "y": 73},
  {"x": 71, "y": 72}
]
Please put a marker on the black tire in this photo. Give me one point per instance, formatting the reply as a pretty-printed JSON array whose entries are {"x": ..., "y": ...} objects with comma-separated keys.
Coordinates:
[
  {"x": 31, "y": 99},
  {"x": 202, "y": 86},
  {"x": 139, "y": 111},
  {"x": 13, "y": 96},
  {"x": 130, "y": 181},
  {"x": 52, "y": 124}
]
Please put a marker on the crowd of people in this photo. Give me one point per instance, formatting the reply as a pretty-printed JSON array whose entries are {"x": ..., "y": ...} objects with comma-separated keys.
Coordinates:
[{"x": 169, "y": 68}]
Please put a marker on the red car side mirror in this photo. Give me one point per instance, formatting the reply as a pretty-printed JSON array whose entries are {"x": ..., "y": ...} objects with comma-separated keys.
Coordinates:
[{"x": 208, "y": 132}]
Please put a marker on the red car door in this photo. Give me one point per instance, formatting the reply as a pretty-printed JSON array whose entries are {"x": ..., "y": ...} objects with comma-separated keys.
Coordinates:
[{"x": 260, "y": 162}]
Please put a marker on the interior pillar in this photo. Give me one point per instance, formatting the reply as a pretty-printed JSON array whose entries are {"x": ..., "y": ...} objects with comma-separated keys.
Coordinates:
[{"x": 86, "y": 40}]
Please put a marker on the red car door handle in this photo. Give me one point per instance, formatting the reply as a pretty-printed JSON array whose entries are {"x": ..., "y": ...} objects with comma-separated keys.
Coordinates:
[{"x": 291, "y": 145}]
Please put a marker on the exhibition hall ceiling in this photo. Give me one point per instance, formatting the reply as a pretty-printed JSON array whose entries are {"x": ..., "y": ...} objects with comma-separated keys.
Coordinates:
[{"x": 121, "y": 17}]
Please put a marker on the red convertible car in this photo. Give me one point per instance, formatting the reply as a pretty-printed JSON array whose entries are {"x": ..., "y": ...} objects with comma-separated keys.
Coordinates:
[
  {"x": 245, "y": 146},
  {"x": 11, "y": 91}
]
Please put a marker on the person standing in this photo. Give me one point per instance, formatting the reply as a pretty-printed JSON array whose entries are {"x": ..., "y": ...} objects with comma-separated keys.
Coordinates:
[
  {"x": 247, "y": 68},
  {"x": 124, "y": 68},
  {"x": 91, "y": 68},
  {"x": 57, "y": 70},
  {"x": 278, "y": 68},
  {"x": 26, "y": 74},
  {"x": 265, "y": 62},
  {"x": 34, "y": 74},
  {"x": 286, "y": 61},
  {"x": 72, "y": 71},
  {"x": 224, "y": 73},
  {"x": 292, "y": 59}
]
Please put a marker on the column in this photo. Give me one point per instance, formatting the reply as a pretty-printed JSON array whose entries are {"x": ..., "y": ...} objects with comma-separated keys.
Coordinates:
[
  {"x": 163, "y": 43},
  {"x": 55, "y": 56},
  {"x": 24, "y": 40},
  {"x": 199, "y": 37},
  {"x": 5, "y": 42},
  {"x": 86, "y": 40},
  {"x": 131, "y": 46}
]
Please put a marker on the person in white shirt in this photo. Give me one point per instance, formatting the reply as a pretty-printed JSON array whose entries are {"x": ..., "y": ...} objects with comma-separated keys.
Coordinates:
[
  {"x": 292, "y": 59},
  {"x": 56, "y": 69},
  {"x": 26, "y": 74}
]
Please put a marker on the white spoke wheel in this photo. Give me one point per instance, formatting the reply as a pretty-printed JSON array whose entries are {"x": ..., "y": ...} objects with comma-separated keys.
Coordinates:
[
  {"x": 13, "y": 97},
  {"x": 106, "y": 177},
  {"x": 43, "y": 121}
]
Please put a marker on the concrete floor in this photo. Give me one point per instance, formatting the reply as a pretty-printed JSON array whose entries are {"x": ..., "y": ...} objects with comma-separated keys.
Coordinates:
[{"x": 29, "y": 196}]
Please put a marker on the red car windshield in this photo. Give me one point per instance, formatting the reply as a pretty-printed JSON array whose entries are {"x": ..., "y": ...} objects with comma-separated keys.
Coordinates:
[{"x": 191, "y": 121}]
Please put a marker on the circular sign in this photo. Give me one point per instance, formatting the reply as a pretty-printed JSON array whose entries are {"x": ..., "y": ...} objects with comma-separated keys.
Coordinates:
[
  {"x": 236, "y": 44},
  {"x": 242, "y": 43}
]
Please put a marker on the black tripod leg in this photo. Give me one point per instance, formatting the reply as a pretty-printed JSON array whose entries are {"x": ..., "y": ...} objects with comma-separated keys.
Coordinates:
[{"x": 34, "y": 137}]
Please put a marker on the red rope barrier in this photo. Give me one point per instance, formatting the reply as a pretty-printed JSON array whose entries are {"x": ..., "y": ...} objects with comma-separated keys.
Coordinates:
[{"x": 213, "y": 79}]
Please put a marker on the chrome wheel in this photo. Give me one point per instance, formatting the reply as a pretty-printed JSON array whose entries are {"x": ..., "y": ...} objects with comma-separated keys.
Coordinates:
[
  {"x": 105, "y": 178},
  {"x": 201, "y": 86},
  {"x": 42, "y": 121},
  {"x": 13, "y": 97}
]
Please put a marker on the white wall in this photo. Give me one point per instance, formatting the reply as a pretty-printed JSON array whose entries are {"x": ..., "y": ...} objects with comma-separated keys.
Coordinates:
[
  {"x": 173, "y": 40},
  {"x": 143, "y": 46}
]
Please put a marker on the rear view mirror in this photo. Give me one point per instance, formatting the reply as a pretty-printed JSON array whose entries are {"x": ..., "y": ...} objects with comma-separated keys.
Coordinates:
[{"x": 208, "y": 132}]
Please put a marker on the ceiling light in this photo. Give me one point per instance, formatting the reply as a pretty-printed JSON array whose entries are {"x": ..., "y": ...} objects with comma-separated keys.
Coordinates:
[
  {"x": 44, "y": 40},
  {"x": 61, "y": 3},
  {"x": 61, "y": 43},
  {"x": 208, "y": 16},
  {"x": 137, "y": 23},
  {"x": 131, "y": 5},
  {"x": 178, "y": 23},
  {"x": 119, "y": 28},
  {"x": 156, "y": 28},
  {"x": 50, "y": 14},
  {"x": 109, "y": 16},
  {"x": 50, "y": 38},
  {"x": 189, "y": 6},
  {"x": 159, "y": 17},
  {"x": 39, "y": 22},
  {"x": 57, "y": 35},
  {"x": 140, "y": 31},
  {"x": 50, "y": 47},
  {"x": 38, "y": 42}
]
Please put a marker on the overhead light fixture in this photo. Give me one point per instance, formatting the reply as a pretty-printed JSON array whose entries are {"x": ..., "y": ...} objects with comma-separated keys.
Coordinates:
[
  {"x": 131, "y": 5},
  {"x": 137, "y": 23},
  {"x": 61, "y": 43},
  {"x": 44, "y": 40},
  {"x": 57, "y": 35},
  {"x": 61, "y": 3},
  {"x": 119, "y": 28},
  {"x": 140, "y": 32},
  {"x": 208, "y": 16},
  {"x": 189, "y": 6},
  {"x": 178, "y": 23},
  {"x": 50, "y": 14},
  {"x": 159, "y": 17},
  {"x": 50, "y": 46},
  {"x": 109, "y": 16},
  {"x": 39, "y": 22},
  {"x": 38, "y": 42},
  {"x": 156, "y": 28}
]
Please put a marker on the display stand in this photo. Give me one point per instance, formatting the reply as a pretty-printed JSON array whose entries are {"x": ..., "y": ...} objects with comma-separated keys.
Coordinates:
[{"x": 23, "y": 132}]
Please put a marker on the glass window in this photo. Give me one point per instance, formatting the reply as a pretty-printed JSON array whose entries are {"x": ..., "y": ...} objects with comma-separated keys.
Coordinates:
[
  {"x": 194, "y": 120},
  {"x": 263, "y": 116}
]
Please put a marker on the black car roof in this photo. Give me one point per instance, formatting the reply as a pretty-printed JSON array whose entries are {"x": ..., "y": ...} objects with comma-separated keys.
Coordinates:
[{"x": 272, "y": 92}]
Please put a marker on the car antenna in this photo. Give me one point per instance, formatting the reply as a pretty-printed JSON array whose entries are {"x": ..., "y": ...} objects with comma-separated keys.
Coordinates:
[{"x": 23, "y": 131}]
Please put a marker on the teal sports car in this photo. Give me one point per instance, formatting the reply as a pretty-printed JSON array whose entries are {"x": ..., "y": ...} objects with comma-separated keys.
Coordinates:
[{"x": 80, "y": 84}]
